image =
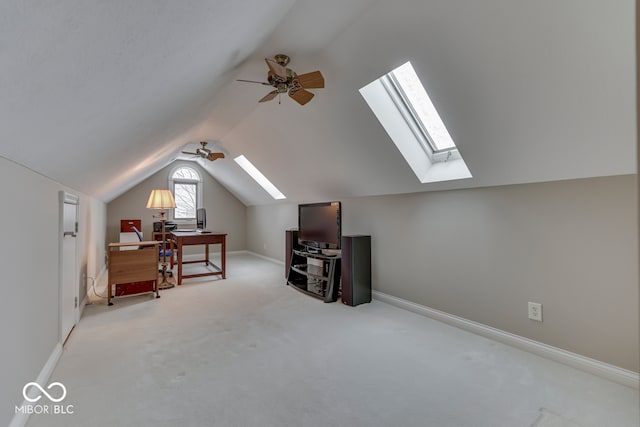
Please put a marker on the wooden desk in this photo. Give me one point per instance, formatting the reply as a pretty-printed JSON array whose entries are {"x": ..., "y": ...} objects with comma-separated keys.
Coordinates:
[
  {"x": 137, "y": 265},
  {"x": 188, "y": 238}
]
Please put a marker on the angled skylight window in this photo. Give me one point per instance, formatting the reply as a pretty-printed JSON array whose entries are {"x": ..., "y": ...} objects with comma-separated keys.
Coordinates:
[
  {"x": 259, "y": 177},
  {"x": 421, "y": 107},
  {"x": 403, "y": 107}
]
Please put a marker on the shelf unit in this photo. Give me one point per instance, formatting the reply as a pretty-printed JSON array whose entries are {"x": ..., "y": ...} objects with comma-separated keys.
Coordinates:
[{"x": 315, "y": 274}]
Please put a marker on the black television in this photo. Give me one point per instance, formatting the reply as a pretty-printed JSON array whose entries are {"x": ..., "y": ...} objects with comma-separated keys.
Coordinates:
[
  {"x": 201, "y": 218},
  {"x": 320, "y": 225}
]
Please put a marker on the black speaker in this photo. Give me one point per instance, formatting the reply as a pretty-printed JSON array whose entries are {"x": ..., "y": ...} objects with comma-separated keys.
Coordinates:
[{"x": 356, "y": 270}]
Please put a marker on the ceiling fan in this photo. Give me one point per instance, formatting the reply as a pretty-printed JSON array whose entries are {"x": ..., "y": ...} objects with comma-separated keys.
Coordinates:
[
  {"x": 205, "y": 153},
  {"x": 285, "y": 80}
]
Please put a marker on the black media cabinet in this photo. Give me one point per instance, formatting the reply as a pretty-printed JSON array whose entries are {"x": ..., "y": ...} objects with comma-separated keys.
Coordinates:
[
  {"x": 327, "y": 277},
  {"x": 315, "y": 274}
]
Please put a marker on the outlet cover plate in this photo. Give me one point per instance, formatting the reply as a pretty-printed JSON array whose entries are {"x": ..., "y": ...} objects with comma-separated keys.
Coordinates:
[{"x": 535, "y": 311}]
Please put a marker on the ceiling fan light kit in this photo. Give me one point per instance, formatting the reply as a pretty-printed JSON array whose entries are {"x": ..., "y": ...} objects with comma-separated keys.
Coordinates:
[
  {"x": 285, "y": 80},
  {"x": 205, "y": 153}
]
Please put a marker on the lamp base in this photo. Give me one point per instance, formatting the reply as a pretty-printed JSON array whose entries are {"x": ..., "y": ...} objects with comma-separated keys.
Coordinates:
[
  {"x": 166, "y": 280},
  {"x": 165, "y": 285}
]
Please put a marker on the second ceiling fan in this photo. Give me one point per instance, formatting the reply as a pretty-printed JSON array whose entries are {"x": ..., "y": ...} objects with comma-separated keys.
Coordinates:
[
  {"x": 285, "y": 80},
  {"x": 205, "y": 153}
]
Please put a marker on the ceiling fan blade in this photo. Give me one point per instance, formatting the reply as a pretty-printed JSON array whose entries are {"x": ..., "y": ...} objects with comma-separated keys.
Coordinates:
[
  {"x": 189, "y": 152},
  {"x": 253, "y": 81},
  {"x": 269, "y": 96},
  {"x": 301, "y": 96},
  {"x": 214, "y": 156},
  {"x": 312, "y": 80},
  {"x": 276, "y": 68}
]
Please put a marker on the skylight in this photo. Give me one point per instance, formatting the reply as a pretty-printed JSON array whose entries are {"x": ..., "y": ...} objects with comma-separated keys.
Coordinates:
[
  {"x": 259, "y": 177},
  {"x": 423, "y": 110},
  {"x": 403, "y": 107}
]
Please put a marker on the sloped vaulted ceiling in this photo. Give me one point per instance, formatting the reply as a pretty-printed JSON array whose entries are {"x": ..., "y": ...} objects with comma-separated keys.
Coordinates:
[{"x": 99, "y": 95}]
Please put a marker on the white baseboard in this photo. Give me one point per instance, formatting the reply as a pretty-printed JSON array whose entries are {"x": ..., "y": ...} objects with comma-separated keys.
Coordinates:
[
  {"x": 85, "y": 300},
  {"x": 241, "y": 251},
  {"x": 83, "y": 304},
  {"x": 596, "y": 367},
  {"x": 196, "y": 257},
  {"x": 212, "y": 255},
  {"x": 102, "y": 274},
  {"x": 277, "y": 261},
  {"x": 20, "y": 419}
]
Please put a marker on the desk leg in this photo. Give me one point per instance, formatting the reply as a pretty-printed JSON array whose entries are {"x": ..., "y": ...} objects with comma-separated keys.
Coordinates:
[
  {"x": 173, "y": 253},
  {"x": 179, "y": 262},
  {"x": 206, "y": 254},
  {"x": 109, "y": 291},
  {"x": 224, "y": 257}
]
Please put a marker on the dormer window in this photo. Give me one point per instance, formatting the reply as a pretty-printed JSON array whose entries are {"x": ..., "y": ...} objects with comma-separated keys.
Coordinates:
[{"x": 186, "y": 185}]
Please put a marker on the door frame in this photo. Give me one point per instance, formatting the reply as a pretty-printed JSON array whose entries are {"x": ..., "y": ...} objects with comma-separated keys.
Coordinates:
[{"x": 66, "y": 198}]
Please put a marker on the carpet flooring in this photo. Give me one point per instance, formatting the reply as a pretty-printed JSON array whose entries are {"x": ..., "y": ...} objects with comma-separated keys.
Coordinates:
[{"x": 249, "y": 351}]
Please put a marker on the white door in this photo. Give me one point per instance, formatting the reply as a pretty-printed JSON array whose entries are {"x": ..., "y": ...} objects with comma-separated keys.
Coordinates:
[{"x": 69, "y": 280}]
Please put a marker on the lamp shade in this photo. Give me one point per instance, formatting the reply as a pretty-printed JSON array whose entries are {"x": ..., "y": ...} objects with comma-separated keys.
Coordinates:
[{"x": 161, "y": 199}]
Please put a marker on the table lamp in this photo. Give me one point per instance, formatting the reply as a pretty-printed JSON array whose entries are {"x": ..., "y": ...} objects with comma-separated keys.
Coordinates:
[{"x": 162, "y": 199}]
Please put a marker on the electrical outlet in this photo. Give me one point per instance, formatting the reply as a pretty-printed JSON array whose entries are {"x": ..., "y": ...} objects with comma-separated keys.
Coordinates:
[{"x": 535, "y": 311}]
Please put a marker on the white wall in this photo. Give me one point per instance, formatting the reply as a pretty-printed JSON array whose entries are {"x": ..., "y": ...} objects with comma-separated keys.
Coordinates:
[
  {"x": 29, "y": 303},
  {"x": 482, "y": 254}
]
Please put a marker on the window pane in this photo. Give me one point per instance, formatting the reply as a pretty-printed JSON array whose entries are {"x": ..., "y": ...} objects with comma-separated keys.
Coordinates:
[
  {"x": 185, "y": 195},
  {"x": 424, "y": 108},
  {"x": 186, "y": 173}
]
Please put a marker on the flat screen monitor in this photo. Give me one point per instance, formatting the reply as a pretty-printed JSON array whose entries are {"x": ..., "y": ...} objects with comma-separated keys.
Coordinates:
[
  {"x": 201, "y": 218},
  {"x": 319, "y": 225}
]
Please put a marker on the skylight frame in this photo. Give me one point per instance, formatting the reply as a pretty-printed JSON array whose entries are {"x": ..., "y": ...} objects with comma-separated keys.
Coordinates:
[
  {"x": 259, "y": 177},
  {"x": 400, "y": 97},
  {"x": 395, "y": 116}
]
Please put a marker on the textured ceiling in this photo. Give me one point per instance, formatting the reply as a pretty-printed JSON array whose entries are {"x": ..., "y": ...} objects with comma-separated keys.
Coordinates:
[{"x": 100, "y": 95}]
